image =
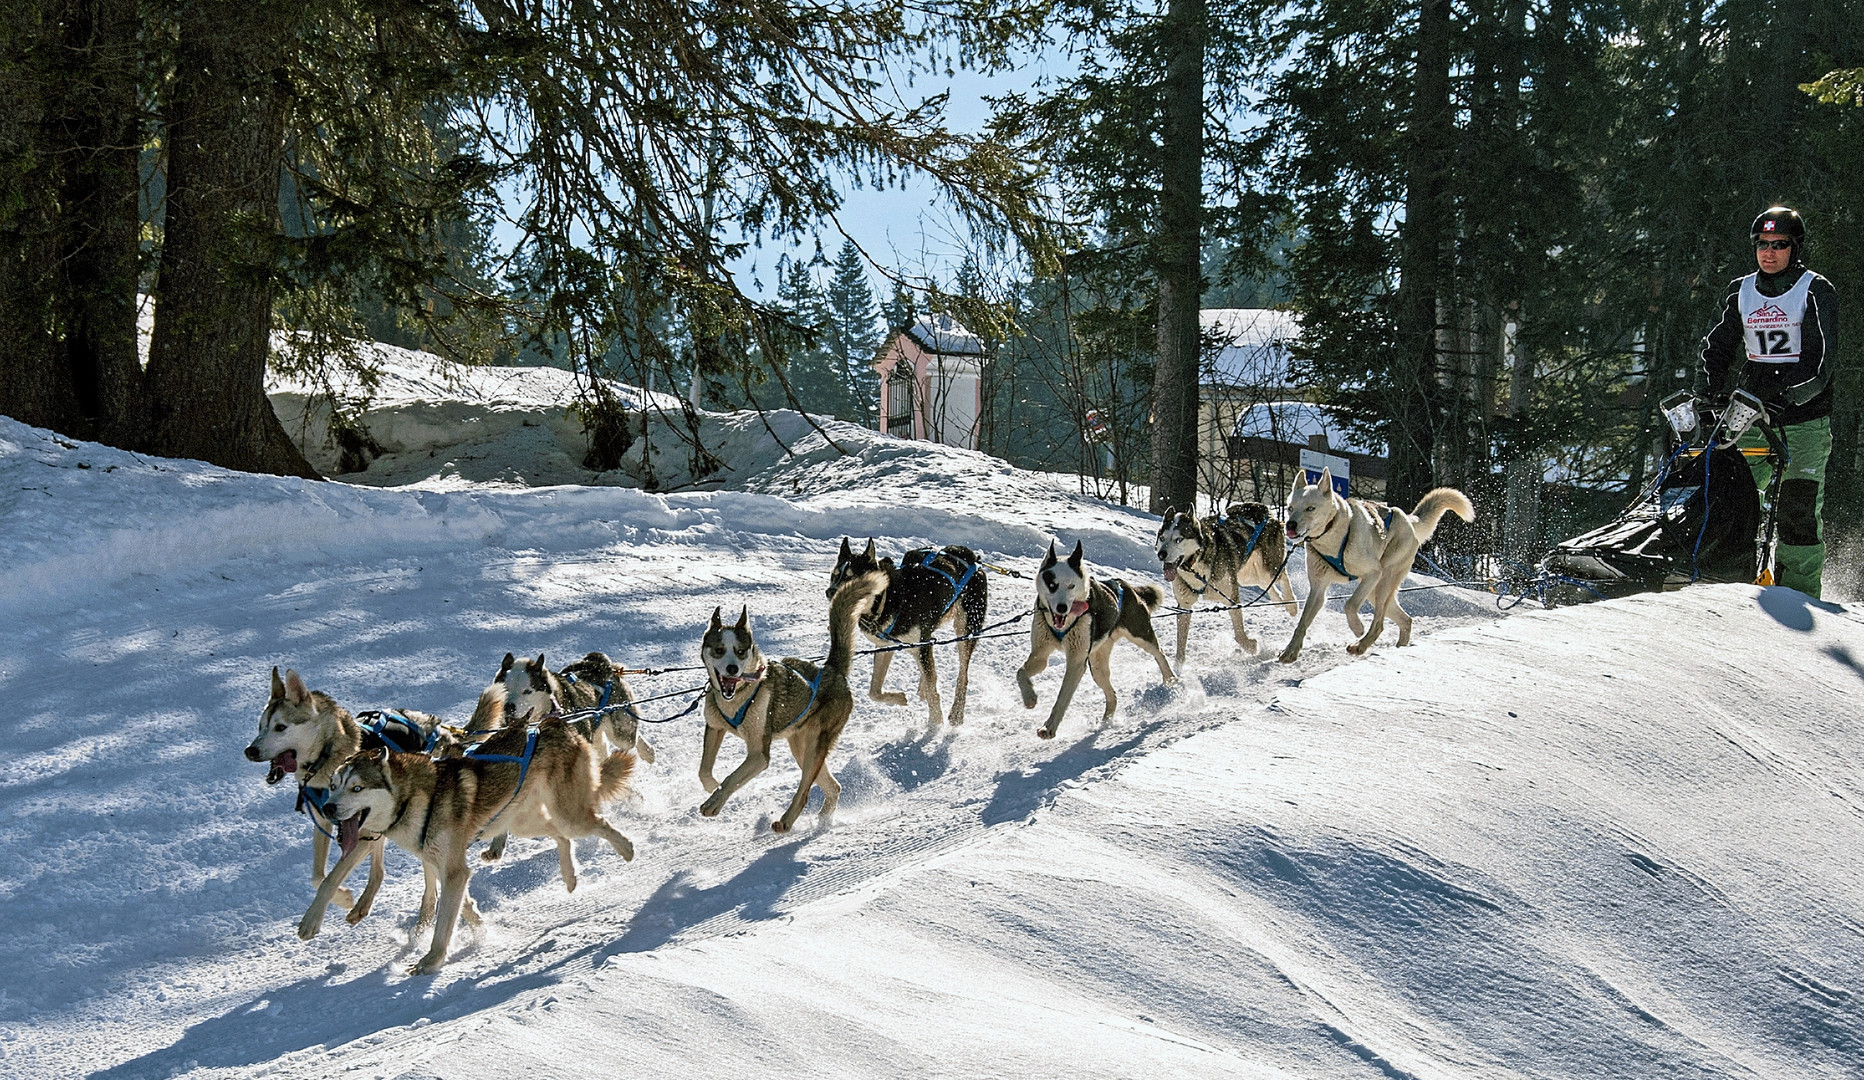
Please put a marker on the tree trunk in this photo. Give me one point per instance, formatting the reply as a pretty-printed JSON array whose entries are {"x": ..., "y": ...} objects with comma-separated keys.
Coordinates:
[
  {"x": 1179, "y": 269},
  {"x": 205, "y": 383},
  {"x": 100, "y": 217},
  {"x": 33, "y": 387},
  {"x": 1426, "y": 227}
]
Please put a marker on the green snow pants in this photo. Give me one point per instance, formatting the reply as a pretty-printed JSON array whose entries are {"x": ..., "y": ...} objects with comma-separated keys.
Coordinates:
[{"x": 1800, "y": 556}]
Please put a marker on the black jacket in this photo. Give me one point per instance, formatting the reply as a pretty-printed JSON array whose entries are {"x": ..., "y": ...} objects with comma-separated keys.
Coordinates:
[{"x": 1792, "y": 392}]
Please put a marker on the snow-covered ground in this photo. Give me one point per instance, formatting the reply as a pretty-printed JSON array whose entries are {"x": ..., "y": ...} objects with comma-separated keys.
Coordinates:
[{"x": 1625, "y": 839}]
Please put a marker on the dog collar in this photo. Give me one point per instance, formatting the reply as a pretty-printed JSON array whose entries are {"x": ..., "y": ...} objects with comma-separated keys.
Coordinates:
[
  {"x": 737, "y": 719},
  {"x": 1075, "y": 617}
]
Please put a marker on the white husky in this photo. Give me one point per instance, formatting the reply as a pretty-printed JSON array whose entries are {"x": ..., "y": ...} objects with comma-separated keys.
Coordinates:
[{"x": 1365, "y": 542}]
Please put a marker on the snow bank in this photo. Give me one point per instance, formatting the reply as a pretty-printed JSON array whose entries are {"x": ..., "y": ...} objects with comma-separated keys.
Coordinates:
[{"x": 1618, "y": 839}]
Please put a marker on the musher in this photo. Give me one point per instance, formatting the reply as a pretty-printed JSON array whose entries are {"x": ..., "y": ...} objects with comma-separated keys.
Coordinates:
[{"x": 1776, "y": 340}]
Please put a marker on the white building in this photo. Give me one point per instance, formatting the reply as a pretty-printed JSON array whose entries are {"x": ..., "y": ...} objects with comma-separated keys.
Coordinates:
[{"x": 931, "y": 382}]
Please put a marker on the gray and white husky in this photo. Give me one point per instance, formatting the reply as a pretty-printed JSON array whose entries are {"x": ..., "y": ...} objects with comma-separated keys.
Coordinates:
[
  {"x": 1083, "y": 617},
  {"x": 533, "y": 690},
  {"x": 930, "y": 588},
  {"x": 1212, "y": 557},
  {"x": 436, "y": 808},
  {"x": 1371, "y": 544}
]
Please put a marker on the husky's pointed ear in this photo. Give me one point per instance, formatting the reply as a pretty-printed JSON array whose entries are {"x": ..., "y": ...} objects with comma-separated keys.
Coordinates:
[
  {"x": 1325, "y": 483},
  {"x": 718, "y": 621},
  {"x": 1074, "y": 561},
  {"x": 535, "y": 665},
  {"x": 744, "y": 619},
  {"x": 295, "y": 688},
  {"x": 1049, "y": 559},
  {"x": 278, "y": 686},
  {"x": 869, "y": 553},
  {"x": 1170, "y": 511},
  {"x": 846, "y": 551},
  {"x": 504, "y": 667}
]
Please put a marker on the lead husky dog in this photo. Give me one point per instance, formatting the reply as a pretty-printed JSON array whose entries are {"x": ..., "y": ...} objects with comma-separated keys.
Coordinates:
[
  {"x": 436, "y": 808},
  {"x": 532, "y": 690},
  {"x": 930, "y": 588},
  {"x": 758, "y": 701},
  {"x": 1084, "y": 617},
  {"x": 1367, "y": 542},
  {"x": 1220, "y": 553},
  {"x": 305, "y": 732}
]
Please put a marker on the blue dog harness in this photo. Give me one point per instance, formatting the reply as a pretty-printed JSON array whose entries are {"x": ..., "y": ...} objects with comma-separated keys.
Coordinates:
[
  {"x": 1254, "y": 537},
  {"x": 736, "y": 720},
  {"x": 957, "y": 589},
  {"x": 397, "y": 732},
  {"x": 1335, "y": 561}
]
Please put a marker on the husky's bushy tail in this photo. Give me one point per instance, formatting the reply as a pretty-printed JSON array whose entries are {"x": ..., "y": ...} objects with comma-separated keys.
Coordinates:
[
  {"x": 1149, "y": 595},
  {"x": 616, "y": 770},
  {"x": 1436, "y": 503},
  {"x": 850, "y": 600},
  {"x": 489, "y": 713}
]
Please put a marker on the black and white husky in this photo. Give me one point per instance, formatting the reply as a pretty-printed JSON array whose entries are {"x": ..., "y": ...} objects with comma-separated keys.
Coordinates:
[
  {"x": 1084, "y": 617},
  {"x": 929, "y": 588},
  {"x": 1212, "y": 557}
]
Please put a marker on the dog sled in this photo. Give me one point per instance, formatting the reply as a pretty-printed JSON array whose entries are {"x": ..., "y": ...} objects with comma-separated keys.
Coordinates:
[{"x": 1699, "y": 520}]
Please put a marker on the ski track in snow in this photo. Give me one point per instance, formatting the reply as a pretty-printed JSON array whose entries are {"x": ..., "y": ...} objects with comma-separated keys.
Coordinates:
[{"x": 1371, "y": 874}]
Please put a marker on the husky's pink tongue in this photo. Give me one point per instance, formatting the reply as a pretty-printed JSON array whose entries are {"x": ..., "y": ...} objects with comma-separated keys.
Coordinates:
[
  {"x": 286, "y": 762},
  {"x": 1171, "y": 571},
  {"x": 1074, "y": 611},
  {"x": 349, "y": 830}
]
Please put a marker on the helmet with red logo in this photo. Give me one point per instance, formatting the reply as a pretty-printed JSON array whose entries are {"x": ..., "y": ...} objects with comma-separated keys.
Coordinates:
[{"x": 1779, "y": 221}]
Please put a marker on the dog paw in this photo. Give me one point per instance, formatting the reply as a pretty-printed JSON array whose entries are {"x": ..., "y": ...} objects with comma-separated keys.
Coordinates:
[
  {"x": 1029, "y": 699},
  {"x": 626, "y": 849},
  {"x": 1288, "y": 656},
  {"x": 1250, "y": 645},
  {"x": 343, "y": 898},
  {"x": 308, "y": 928},
  {"x": 1356, "y": 649},
  {"x": 643, "y": 750},
  {"x": 356, "y": 915},
  {"x": 1044, "y": 733},
  {"x": 708, "y": 783},
  {"x": 892, "y": 697},
  {"x": 711, "y": 807},
  {"x": 779, "y": 826},
  {"x": 428, "y": 965}
]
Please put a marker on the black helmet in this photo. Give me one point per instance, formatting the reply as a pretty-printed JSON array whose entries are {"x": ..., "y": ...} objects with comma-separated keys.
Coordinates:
[{"x": 1779, "y": 221}]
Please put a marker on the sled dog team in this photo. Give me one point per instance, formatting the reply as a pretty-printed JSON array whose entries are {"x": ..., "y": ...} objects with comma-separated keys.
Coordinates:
[{"x": 544, "y": 751}]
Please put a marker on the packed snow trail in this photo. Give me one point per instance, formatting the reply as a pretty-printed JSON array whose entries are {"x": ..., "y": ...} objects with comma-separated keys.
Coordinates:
[{"x": 1604, "y": 840}]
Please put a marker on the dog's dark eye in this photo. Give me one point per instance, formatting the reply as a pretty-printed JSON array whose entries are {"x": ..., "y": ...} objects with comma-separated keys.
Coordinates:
[
  {"x": 278, "y": 727},
  {"x": 718, "y": 650}
]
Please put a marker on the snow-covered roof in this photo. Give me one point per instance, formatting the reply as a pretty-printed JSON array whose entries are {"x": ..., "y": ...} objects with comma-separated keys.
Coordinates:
[
  {"x": 1246, "y": 346},
  {"x": 1294, "y": 421},
  {"x": 943, "y": 334}
]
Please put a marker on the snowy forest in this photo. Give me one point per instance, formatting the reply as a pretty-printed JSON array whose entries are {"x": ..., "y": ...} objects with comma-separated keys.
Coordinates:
[{"x": 1503, "y": 226}]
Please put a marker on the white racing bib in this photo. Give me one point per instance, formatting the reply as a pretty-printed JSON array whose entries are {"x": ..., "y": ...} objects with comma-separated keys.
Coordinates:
[{"x": 1771, "y": 324}]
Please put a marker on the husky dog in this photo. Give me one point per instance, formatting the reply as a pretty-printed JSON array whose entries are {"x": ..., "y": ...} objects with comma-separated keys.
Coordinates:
[
  {"x": 1220, "y": 553},
  {"x": 930, "y": 588},
  {"x": 555, "y": 787},
  {"x": 305, "y": 732},
  {"x": 532, "y": 690},
  {"x": 1367, "y": 542},
  {"x": 1084, "y": 617},
  {"x": 759, "y": 701}
]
